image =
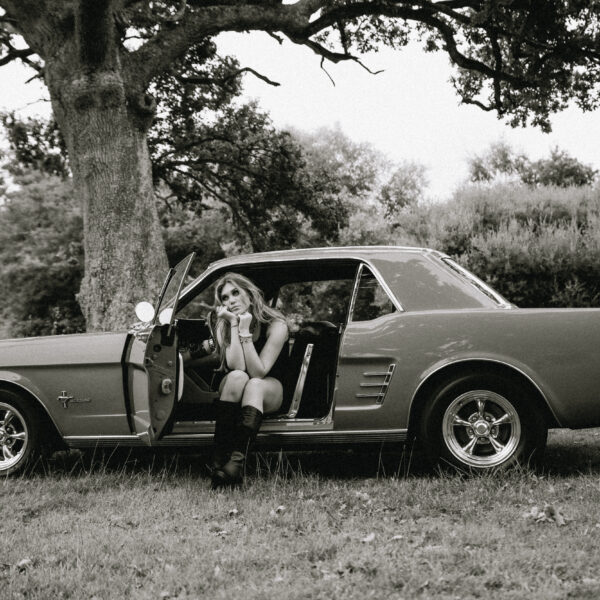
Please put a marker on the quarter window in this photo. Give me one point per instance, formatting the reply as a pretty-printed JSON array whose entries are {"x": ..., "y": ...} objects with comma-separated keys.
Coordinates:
[{"x": 371, "y": 299}]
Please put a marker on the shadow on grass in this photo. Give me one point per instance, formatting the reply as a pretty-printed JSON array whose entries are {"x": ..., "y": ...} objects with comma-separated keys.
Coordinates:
[{"x": 568, "y": 453}]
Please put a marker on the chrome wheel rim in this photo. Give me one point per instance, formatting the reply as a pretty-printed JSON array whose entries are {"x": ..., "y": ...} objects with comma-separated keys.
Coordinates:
[
  {"x": 13, "y": 436},
  {"x": 481, "y": 428}
]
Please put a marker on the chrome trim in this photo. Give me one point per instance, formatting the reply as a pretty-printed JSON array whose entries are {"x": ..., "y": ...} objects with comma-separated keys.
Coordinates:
[
  {"x": 477, "y": 282},
  {"x": 380, "y": 281},
  {"x": 484, "y": 360},
  {"x": 383, "y": 385},
  {"x": 275, "y": 439},
  {"x": 357, "y": 277},
  {"x": 384, "y": 285},
  {"x": 91, "y": 441},
  {"x": 297, "y": 397}
]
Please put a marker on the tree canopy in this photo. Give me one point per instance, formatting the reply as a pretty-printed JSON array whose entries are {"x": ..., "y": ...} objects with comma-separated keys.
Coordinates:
[{"x": 106, "y": 62}]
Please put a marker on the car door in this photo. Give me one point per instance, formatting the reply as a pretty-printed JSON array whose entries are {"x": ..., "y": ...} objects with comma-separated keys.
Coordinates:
[
  {"x": 366, "y": 361},
  {"x": 155, "y": 364}
]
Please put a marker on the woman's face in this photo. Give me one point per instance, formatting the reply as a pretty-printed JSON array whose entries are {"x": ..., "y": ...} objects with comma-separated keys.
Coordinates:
[{"x": 234, "y": 298}]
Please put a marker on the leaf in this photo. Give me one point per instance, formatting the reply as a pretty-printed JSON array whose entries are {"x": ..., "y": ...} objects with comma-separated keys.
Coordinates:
[
  {"x": 549, "y": 514},
  {"x": 24, "y": 564}
]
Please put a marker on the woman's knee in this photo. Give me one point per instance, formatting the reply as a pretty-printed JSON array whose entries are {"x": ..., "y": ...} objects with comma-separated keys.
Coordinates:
[
  {"x": 255, "y": 385},
  {"x": 233, "y": 386}
]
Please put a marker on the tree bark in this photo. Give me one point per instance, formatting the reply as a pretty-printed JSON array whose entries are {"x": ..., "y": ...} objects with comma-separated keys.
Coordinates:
[{"x": 125, "y": 260}]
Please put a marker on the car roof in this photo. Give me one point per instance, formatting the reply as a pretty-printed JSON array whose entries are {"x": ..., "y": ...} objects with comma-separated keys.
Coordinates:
[{"x": 316, "y": 253}]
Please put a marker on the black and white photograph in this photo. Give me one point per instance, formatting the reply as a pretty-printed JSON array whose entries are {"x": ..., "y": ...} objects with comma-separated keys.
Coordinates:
[{"x": 300, "y": 299}]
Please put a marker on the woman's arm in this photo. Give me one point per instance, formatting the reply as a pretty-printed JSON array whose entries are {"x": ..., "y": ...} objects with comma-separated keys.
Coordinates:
[
  {"x": 234, "y": 355},
  {"x": 259, "y": 365}
]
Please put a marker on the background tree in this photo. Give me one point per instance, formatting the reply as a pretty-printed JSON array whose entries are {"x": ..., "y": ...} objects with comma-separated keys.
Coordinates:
[
  {"x": 501, "y": 162},
  {"x": 99, "y": 58},
  {"x": 405, "y": 187}
]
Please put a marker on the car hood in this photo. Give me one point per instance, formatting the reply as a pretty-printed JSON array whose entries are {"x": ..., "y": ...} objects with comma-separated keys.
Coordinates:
[{"x": 80, "y": 348}]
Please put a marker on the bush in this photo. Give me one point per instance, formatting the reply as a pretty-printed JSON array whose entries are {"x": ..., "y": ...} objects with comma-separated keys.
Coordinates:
[{"x": 538, "y": 247}]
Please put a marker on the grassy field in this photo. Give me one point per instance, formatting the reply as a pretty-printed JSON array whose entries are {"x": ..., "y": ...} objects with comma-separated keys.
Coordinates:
[{"x": 338, "y": 525}]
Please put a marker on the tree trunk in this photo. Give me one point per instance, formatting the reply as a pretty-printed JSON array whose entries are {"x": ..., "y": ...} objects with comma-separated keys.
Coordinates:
[{"x": 125, "y": 259}]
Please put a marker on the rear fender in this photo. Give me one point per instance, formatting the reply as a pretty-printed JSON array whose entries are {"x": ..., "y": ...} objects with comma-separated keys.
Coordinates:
[{"x": 446, "y": 370}]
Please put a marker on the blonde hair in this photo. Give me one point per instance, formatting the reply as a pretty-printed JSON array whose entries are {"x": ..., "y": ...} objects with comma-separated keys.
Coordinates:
[{"x": 261, "y": 312}]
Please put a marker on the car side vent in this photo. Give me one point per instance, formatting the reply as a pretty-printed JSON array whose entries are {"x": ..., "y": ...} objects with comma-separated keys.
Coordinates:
[{"x": 378, "y": 382}]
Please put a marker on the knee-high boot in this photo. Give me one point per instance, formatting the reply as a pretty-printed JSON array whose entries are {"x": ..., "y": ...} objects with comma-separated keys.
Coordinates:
[
  {"x": 232, "y": 473},
  {"x": 226, "y": 421}
]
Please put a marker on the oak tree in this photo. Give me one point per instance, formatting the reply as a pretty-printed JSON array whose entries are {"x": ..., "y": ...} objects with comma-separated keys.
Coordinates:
[{"x": 98, "y": 58}]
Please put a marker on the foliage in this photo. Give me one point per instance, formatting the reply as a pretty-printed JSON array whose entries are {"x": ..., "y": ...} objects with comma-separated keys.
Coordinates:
[
  {"x": 35, "y": 143},
  {"x": 41, "y": 256},
  {"x": 502, "y": 162},
  {"x": 405, "y": 187},
  {"x": 103, "y": 60},
  {"x": 209, "y": 149},
  {"x": 538, "y": 247}
]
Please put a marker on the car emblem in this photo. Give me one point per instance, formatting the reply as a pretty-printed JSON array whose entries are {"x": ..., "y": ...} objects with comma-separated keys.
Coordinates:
[{"x": 66, "y": 399}]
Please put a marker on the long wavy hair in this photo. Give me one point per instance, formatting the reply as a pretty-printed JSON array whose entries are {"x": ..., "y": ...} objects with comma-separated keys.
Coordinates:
[{"x": 261, "y": 312}]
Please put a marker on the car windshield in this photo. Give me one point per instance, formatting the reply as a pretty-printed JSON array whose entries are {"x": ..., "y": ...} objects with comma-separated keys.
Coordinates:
[{"x": 170, "y": 295}]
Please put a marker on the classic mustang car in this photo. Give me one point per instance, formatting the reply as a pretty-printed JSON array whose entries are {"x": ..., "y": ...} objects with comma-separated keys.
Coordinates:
[{"x": 387, "y": 343}]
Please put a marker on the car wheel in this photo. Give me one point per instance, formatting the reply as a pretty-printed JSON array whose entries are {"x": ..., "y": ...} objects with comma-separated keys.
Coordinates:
[
  {"x": 482, "y": 422},
  {"x": 19, "y": 433}
]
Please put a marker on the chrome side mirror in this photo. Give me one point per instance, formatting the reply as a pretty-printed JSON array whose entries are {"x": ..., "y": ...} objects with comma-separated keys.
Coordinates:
[
  {"x": 144, "y": 311},
  {"x": 165, "y": 315}
]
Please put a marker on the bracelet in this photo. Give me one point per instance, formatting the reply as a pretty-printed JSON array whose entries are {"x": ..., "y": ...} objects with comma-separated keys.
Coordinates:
[{"x": 245, "y": 339}]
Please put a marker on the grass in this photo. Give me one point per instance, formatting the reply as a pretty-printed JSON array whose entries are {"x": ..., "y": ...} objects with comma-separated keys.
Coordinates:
[{"x": 336, "y": 525}]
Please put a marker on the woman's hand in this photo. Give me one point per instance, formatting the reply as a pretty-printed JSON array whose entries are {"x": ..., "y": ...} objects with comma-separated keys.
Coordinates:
[
  {"x": 223, "y": 313},
  {"x": 245, "y": 320}
]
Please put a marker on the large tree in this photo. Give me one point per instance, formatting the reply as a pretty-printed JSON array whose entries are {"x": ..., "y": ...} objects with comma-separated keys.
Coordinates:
[{"x": 98, "y": 58}]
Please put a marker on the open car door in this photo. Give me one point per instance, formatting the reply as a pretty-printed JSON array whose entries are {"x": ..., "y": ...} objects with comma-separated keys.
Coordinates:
[{"x": 155, "y": 367}]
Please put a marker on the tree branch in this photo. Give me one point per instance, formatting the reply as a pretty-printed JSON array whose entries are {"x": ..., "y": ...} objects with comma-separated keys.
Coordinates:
[{"x": 224, "y": 80}]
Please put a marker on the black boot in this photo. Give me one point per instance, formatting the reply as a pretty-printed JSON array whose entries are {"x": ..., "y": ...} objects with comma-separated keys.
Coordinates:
[
  {"x": 227, "y": 415},
  {"x": 232, "y": 473}
]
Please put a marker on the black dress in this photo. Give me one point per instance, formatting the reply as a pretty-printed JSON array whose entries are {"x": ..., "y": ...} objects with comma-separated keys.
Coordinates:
[{"x": 279, "y": 366}]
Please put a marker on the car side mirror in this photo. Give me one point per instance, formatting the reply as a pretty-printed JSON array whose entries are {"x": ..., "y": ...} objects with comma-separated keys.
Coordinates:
[
  {"x": 165, "y": 316},
  {"x": 144, "y": 311}
]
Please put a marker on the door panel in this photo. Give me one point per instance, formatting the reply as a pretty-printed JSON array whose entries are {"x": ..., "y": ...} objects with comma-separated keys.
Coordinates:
[{"x": 153, "y": 382}]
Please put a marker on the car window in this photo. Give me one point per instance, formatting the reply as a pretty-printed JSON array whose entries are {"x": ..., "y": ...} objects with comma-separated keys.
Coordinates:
[
  {"x": 315, "y": 301},
  {"x": 371, "y": 299}
]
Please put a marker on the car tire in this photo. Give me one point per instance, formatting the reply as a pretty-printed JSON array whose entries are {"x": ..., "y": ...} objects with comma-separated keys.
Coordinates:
[
  {"x": 20, "y": 434},
  {"x": 482, "y": 422}
]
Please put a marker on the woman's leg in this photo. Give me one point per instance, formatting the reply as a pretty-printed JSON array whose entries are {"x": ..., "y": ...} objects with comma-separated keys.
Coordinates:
[
  {"x": 227, "y": 415},
  {"x": 232, "y": 386},
  {"x": 264, "y": 395},
  {"x": 258, "y": 394}
]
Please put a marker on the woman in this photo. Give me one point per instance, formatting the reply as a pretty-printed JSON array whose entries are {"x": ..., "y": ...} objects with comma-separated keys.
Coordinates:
[{"x": 250, "y": 337}]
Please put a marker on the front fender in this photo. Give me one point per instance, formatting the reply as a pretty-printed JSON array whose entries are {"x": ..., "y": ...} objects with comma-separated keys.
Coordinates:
[{"x": 15, "y": 380}]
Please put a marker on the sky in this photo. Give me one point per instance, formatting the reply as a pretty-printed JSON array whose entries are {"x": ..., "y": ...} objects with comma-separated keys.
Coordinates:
[{"x": 409, "y": 111}]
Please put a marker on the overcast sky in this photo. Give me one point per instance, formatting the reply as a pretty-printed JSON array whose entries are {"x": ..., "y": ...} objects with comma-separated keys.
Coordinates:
[{"x": 409, "y": 111}]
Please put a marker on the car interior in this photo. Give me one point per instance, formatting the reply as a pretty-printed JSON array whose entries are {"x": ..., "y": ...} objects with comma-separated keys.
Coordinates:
[{"x": 314, "y": 296}]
